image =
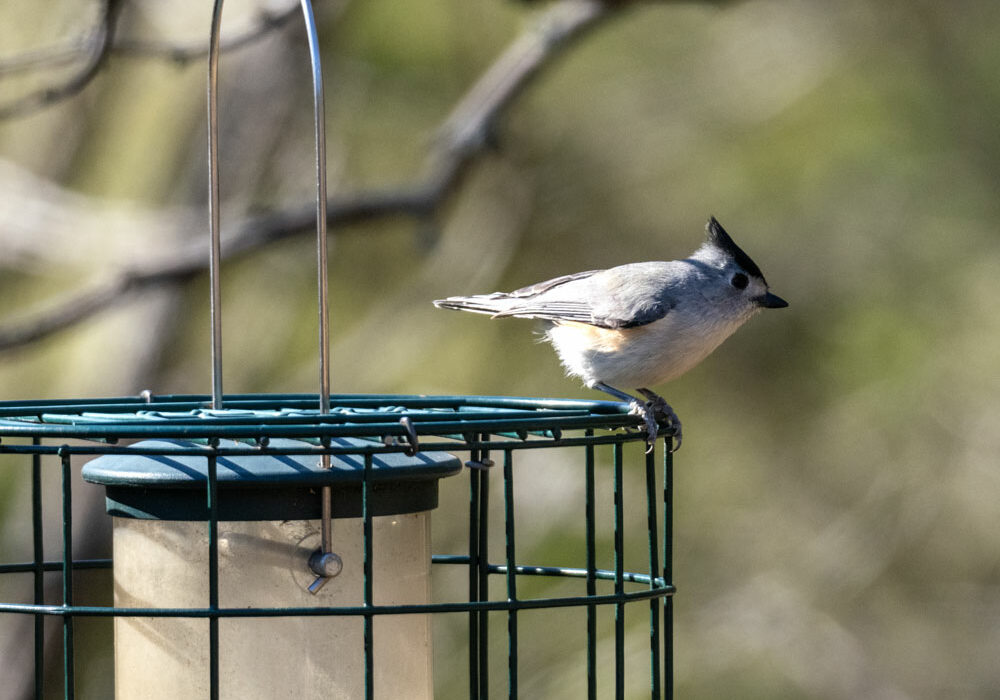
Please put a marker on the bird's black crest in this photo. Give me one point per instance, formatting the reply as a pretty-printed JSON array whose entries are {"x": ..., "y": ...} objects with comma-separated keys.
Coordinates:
[{"x": 718, "y": 237}]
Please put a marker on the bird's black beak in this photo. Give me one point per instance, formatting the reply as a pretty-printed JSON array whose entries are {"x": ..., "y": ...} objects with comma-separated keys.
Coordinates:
[{"x": 771, "y": 301}]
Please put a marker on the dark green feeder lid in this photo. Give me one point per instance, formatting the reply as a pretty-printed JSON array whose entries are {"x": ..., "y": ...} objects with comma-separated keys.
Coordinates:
[{"x": 266, "y": 486}]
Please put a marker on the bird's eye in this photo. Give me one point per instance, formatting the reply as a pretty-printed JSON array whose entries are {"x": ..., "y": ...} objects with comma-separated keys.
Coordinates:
[{"x": 740, "y": 281}]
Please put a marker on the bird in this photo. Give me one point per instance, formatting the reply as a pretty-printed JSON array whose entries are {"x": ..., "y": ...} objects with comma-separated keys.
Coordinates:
[{"x": 640, "y": 324}]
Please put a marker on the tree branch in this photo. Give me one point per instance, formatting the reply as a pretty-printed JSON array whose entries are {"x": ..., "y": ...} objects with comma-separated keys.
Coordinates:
[
  {"x": 185, "y": 53},
  {"x": 467, "y": 130},
  {"x": 462, "y": 138},
  {"x": 102, "y": 43},
  {"x": 98, "y": 49}
]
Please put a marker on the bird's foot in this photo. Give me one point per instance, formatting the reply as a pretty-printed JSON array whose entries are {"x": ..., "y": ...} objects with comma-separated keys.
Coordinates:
[
  {"x": 649, "y": 416},
  {"x": 654, "y": 412},
  {"x": 663, "y": 415}
]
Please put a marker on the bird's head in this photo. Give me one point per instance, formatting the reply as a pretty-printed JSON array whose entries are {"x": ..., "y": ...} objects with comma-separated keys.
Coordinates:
[{"x": 738, "y": 282}]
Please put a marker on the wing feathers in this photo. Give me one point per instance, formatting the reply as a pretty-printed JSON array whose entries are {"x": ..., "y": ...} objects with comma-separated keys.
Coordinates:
[
  {"x": 596, "y": 297},
  {"x": 482, "y": 304},
  {"x": 541, "y": 287}
]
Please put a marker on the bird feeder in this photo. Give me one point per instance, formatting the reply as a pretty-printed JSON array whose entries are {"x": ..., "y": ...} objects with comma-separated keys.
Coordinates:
[{"x": 217, "y": 519}]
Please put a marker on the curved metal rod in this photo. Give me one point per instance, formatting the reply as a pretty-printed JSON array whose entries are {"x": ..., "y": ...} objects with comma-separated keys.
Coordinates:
[
  {"x": 215, "y": 246},
  {"x": 319, "y": 117}
]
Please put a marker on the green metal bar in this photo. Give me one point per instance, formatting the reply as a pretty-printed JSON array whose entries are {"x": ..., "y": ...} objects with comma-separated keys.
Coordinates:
[
  {"x": 248, "y": 417},
  {"x": 565, "y": 571},
  {"x": 461, "y": 559},
  {"x": 38, "y": 567},
  {"x": 450, "y": 445},
  {"x": 306, "y": 401},
  {"x": 213, "y": 577},
  {"x": 474, "y": 505},
  {"x": 483, "y": 576},
  {"x": 272, "y": 417},
  {"x": 67, "y": 574},
  {"x": 508, "y": 488},
  {"x": 655, "y": 686},
  {"x": 206, "y": 428},
  {"x": 619, "y": 577},
  {"x": 369, "y": 581},
  {"x": 31, "y": 567},
  {"x": 668, "y": 567},
  {"x": 599, "y": 574},
  {"x": 348, "y": 611},
  {"x": 590, "y": 517},
  {"x": 303, "y": 409}
]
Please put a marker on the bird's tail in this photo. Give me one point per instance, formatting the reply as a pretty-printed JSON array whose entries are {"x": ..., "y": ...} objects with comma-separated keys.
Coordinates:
[{"x": 491, "y": 304}]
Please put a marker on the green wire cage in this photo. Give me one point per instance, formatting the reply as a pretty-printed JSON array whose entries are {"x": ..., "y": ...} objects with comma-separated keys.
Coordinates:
[
  {"x": 280, "y": 545},
  {"x": 176, "y": 432}
]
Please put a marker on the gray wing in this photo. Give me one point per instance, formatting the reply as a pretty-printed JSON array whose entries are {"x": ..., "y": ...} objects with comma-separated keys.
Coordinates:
[
  {"x": 621, "y": 297},
  {"x": 541, "y": 287}
]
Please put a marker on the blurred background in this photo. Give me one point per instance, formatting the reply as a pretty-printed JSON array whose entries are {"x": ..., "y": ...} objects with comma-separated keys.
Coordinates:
[{"x": 836, "y": 524}]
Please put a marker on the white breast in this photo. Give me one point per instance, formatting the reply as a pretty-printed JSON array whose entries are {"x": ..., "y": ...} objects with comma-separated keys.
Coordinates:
[{"x": 638, "y": 357}]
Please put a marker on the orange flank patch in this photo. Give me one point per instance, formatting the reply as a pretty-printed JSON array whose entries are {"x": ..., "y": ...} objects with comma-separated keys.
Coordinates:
[{"x": 597, "y": 338}]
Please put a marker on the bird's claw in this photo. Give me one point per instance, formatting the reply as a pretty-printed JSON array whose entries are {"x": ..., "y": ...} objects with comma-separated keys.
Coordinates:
[
  {"x": 648, "y": 415},
  {"x": 656, "y": 414},
  {"x": 661, "y": 414}
]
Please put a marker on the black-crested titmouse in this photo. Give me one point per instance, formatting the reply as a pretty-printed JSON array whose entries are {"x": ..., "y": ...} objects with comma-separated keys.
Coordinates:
[{"x": 641, "y": 324}]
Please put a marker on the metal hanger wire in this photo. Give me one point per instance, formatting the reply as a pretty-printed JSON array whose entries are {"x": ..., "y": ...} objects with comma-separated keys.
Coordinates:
[{"x": 323, "y": 566}]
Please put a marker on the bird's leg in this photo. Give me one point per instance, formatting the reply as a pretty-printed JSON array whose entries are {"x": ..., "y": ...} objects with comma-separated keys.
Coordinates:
[
  {"x": 638, "y": 408},
  {"x": 664, "y": 414}
]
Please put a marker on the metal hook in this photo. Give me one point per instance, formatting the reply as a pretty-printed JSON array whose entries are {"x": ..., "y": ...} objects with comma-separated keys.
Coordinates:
[{"x": 215, "y": 247}]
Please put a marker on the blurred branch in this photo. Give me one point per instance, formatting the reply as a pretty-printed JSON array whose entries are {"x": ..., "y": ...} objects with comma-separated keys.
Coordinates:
[
  {"x": 102, "y": 42},
  {"x": 97, "y": 48},
  {"x": 463, "y": 137},
  {"x": 267, "y": 21},
  {"x": 468, "y": 129},
  {"x": 192, "y": 260}
]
